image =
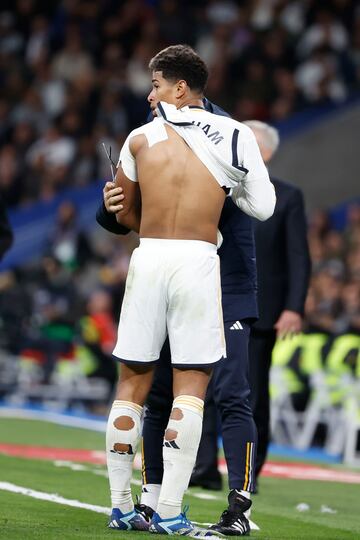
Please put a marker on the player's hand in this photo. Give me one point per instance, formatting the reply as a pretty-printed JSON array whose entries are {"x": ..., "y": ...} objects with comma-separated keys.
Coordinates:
[
  {"x": 113, "y": 197},
  {"x": 288, "y": 324}
]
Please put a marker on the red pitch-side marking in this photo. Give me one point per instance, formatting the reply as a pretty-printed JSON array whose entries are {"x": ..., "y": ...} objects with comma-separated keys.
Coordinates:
[
  {"x": 307, "y": 472},
  {"x": 303, "y": 471},
  {"x": 42, "y": 452},
  {"x": 297, "y": 471}
]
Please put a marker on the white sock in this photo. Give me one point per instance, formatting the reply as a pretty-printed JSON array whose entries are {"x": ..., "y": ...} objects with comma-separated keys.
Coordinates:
[
  {"x": 181, "y": 443},
  {"x": 150, "y": 495},
  {"x": 122, "y": 437},
  {"x": 247, "y": 495}
]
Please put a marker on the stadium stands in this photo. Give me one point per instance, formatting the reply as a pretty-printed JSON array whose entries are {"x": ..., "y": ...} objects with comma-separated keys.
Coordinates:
[{"x": 74, "y": 74}]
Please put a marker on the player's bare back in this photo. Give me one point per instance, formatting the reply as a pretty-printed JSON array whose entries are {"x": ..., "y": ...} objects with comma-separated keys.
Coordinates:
[{"x": 180, "y": 198}]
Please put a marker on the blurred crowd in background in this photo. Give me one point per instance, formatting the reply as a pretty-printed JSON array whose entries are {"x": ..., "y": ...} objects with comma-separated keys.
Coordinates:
[
  {"x": 74, "y": 74},
  {"x": 333, "y": 302}
]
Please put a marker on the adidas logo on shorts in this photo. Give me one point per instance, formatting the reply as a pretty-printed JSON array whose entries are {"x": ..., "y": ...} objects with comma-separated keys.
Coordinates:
[{"x": 236, "y": 326}]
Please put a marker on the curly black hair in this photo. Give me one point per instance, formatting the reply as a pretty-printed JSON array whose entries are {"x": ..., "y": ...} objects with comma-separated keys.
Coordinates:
[{"x": 181, "y": 62}]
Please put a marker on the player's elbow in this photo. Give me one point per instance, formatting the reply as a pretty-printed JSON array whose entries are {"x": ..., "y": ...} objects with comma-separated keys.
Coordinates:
[
  {"x": 129, "y": 218},
  {"x": 124, "y": 215},
  {"x": 265, "y": 211},
  {"x": 267, "y": 205}
]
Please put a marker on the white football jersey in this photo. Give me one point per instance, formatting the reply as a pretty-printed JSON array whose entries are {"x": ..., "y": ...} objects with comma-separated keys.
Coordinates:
[{"x": 226, "y": 147}]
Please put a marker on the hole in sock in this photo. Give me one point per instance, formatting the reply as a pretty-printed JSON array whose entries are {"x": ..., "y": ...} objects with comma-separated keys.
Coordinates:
[
  {"x": 122, "y": 448},
  {"x": 170, "y": 434},
  {"x": 176, "y": 414},
  {"x": 125, "y": 423}
]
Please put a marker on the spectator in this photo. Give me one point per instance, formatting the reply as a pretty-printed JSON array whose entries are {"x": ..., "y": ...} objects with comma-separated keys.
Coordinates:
[
  {"x": 98, "y": 332},
  {"x": 67, "y": 243},
  {"x": 6, "y": 235},
  {"x": 55, "y": 306},
  {"x": 72, "y": 61},
  {"x": 10, "y": 181},
  {"x": 325, "y": 31},
  {"x": 319, "y": 79},
  {"x": 38, "y": 41}
]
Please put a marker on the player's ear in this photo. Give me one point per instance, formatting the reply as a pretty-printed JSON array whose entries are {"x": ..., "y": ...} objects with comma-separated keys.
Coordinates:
[{"x": 181, "y": 87}]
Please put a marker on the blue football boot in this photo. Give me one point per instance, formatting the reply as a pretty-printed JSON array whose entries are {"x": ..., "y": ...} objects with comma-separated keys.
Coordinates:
[
  {"x": 132, "y": 521},
  {"x": 179, "y": 525}
]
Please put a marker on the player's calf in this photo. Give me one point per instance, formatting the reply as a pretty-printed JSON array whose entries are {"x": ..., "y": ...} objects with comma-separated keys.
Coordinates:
[
  {"x": 181, "y": 443},
  {"x": 122, "y": 437}
]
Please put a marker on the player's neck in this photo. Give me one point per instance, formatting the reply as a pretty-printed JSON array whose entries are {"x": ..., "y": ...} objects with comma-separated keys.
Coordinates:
[{"x": 191, "y": 102}]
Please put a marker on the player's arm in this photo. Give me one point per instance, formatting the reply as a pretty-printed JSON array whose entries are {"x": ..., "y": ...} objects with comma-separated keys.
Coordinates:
[
  {"x": 129, "y": 214},
  {"x": 255, "y": 195},
  {"x": 106, "y": 213}
]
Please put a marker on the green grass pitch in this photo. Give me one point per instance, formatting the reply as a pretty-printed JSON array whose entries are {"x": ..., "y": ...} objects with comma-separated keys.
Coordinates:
[{"x": 274, "y": 508}]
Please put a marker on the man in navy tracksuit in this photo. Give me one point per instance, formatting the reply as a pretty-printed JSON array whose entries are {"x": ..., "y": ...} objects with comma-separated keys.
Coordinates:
[{"x": 229, "y": 388}]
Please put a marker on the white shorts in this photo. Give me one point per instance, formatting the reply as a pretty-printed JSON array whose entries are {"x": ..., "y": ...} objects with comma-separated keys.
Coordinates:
[{"x": 173, "y": 286}]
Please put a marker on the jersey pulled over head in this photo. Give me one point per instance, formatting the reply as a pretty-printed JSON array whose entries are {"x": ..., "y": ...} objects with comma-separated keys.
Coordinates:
[{"x": 227, "y": 148}]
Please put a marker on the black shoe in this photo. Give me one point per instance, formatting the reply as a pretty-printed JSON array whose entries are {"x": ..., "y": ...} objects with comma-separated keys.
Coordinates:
[
  {"x": 146, "y": 511},
  {"x": 233, "y": 521},
  {"x": 211, "y": 481}
]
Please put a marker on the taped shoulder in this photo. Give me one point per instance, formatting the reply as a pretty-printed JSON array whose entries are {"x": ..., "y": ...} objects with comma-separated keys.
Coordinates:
[{"x": 155, "y": 132}]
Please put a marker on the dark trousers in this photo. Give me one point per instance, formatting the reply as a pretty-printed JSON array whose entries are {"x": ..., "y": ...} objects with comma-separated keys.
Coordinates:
[
  {"x": 261, "y": 344},
  {"x": 229, "y": 391}
]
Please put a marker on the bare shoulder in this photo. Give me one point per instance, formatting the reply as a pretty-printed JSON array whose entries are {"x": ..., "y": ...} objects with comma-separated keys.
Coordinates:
[
  {"x": 147, "y": 135},
  {"x": 137, "y": 142}
]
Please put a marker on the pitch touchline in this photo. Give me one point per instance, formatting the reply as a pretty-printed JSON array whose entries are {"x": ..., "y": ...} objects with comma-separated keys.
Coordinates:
[{"x": 53, "y": 497}]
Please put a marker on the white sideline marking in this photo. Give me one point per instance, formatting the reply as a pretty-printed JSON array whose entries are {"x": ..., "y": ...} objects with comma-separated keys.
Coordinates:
[
  {"x": 52, "y": 497},
  {"x": 71, "y": 465},
  {"x": 84, "y": 468},
  {"x": 136, "y": 482},
  {"x": 253, "y": 526},
  {"x": 204, "y": 496},
  {"x": 101, "y": 472}
]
